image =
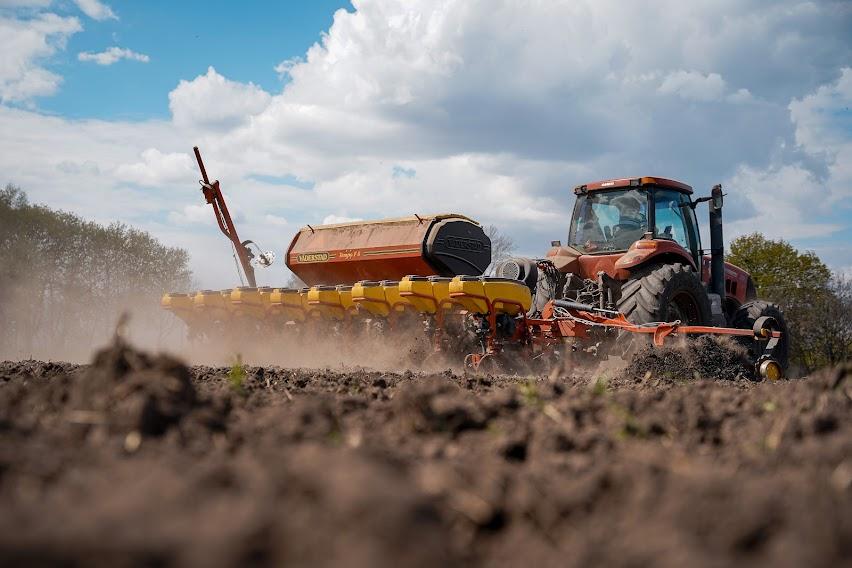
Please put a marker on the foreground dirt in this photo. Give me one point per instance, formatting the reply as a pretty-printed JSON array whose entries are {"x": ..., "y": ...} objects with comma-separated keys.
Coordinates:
[{"x": 141, "y": 461}]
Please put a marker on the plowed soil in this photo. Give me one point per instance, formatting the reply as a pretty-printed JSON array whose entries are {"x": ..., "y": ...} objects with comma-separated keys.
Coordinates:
[{"x": 137, "y": 460}]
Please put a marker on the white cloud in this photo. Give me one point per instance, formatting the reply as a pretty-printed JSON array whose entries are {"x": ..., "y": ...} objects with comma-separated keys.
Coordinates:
[
  {"x": 412, "y": 83},
  {"x": 283, "y": 68},
  {"x": 784, "y": 203},
  {"x": 701, "y": 87},
  {"x": 692, "y": 85},
  {"x": 96, "y": 10},
  {"x": 157, "y": 169},
  {"x": 189, "y": 214},
  {"x": 741, "y": 96},
  {"x": 497, "y": 121},
  {"x": 334, "y": 219},
  {"x": 112, "y": 55},
  {"x": 276, "y": 220},
  {"x": 212, "y": 102},
  {"x": 822, "y": 118},
  {"x": 808, "y": 194},
  {"x": 26, "y": 44}
]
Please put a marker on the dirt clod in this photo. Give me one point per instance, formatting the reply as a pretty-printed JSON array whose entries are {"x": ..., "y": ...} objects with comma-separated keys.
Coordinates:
[{"x": 705, "y": 357}]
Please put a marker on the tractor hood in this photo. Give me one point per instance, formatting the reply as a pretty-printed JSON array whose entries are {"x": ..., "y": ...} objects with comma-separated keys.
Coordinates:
[{"x": 564, "y": 258}]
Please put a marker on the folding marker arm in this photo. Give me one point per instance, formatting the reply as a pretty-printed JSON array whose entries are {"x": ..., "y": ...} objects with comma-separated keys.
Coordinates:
[{"x": 213, "y": 195}]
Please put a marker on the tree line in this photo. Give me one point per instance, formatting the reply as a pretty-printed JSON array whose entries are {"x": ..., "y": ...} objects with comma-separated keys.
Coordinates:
[{"x": 65, "y": 281}]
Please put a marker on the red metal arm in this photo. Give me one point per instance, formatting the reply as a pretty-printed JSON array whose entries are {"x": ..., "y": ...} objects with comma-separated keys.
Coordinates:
[{"x": 213, "y": 195}]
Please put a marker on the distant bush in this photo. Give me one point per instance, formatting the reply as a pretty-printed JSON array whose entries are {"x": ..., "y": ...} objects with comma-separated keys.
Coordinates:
[{"x": 64, "y": 281}]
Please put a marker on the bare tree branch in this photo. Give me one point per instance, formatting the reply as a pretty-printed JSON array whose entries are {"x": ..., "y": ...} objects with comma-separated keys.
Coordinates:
[{"x": 502, "y": 245}]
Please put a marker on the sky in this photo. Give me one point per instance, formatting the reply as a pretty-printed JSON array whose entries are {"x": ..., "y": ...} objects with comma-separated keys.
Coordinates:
[{"x": 324, "y": 111}]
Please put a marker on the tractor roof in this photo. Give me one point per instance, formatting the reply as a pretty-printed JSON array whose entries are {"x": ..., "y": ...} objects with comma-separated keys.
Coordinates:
[{"x": 633, "y": 182}]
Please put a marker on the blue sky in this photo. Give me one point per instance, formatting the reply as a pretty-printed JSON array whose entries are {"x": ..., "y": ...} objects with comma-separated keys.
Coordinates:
[
  {"x": 243, "y": 40},
  {"x": 321, "y": 111}
]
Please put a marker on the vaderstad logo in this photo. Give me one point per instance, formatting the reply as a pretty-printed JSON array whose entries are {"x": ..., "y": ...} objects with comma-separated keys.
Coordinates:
[
  {"x": 462, "y": 243},
  {"x": 313, "y": 257}
]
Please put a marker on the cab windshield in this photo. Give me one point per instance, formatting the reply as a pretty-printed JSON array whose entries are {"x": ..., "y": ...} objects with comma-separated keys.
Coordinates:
[{"x": 609, "y": 220}]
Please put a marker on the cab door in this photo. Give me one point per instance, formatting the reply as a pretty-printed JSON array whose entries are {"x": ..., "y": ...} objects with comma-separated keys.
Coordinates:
[{"x": 674, "y": 220}]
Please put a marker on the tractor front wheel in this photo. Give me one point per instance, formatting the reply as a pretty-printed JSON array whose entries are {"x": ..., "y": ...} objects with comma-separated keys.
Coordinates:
[
  {"x": 661, "y": 293},
  {"x": 665, "y": 293}
]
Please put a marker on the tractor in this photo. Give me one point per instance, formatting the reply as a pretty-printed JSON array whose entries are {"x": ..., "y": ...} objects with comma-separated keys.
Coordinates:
[{"x": 634, "y": 247}]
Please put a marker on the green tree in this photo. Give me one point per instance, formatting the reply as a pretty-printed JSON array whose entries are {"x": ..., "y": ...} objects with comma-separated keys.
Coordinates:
[
  {"x": 812, "y": 298},
  {"x": 65, "y": 281},
  {"x": 776, "y": 267}
]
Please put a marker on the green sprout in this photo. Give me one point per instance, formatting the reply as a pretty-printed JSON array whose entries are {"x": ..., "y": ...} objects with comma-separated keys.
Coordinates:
[
  {"x": 237, "y": 376},
  {"x": 530, "y": 394},
  {"x": 599, "y": 388}
]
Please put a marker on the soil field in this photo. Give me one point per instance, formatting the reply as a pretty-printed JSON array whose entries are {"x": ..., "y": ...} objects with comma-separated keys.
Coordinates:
[{"x": 137, "y": 460}]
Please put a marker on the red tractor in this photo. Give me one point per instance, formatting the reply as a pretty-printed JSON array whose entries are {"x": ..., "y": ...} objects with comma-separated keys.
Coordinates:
[{"x": 634, "y": 247}]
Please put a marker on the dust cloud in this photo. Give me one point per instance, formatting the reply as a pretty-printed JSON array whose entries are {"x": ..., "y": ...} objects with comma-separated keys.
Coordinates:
[{"x": 69, "y": 323}]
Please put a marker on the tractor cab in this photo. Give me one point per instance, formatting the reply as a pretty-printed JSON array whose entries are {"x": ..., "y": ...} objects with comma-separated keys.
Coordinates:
[
  {"x": 610, "y": 216},
  {"x": 624, "y": 230}
]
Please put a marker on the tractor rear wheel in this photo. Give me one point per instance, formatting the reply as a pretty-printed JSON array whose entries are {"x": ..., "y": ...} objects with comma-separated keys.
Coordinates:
[
  {"x": 750, "y": 312},
  {"x": 665, "y": 293}
]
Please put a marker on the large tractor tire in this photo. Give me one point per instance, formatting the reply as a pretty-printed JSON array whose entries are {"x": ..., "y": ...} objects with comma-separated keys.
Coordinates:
[
  {"x": 665, "y": 293},
  {"x": 750, "y": 312},
  {"x": 661, "y": 293}
]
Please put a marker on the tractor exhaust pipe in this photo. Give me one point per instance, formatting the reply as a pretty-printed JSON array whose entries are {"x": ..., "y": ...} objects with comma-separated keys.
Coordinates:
[{"x": 717, "y": 244}]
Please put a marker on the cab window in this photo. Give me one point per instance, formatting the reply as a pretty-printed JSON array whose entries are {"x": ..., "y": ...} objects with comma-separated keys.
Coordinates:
[
  {"x": 670, "y": 216},
  {"x": 606, "y": 221}
]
